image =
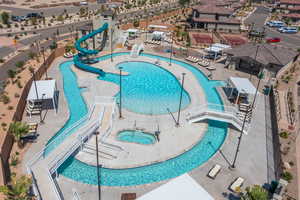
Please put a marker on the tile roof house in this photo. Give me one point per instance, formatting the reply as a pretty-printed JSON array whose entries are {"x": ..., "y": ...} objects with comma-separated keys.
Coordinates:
[
  {"x": 252, "y": 58},
  {"x": 290, "y": 9},
  {"x": 212, "y": 17}
]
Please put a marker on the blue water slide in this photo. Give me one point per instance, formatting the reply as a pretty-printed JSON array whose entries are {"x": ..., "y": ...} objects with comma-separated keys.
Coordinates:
[{"x": 86, "y": 52}]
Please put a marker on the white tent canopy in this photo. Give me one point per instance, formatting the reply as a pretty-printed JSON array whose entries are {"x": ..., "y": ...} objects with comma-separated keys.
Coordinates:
[
  {"x": 217, "y": 48},
  {"x": 41, "y": 90},
  {"x": 243, "y": 85},
  {"x": 157, "y": 26},
  {"x": 182, "y": 187}
]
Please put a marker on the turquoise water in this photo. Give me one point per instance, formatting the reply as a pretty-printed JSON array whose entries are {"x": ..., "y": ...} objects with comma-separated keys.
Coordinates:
[
  {"x": 148, "y": 89},
  {"x": 136, "y": 137},
  {"x": 200, "y": 153},
  {"x": 74, "y": 99}
]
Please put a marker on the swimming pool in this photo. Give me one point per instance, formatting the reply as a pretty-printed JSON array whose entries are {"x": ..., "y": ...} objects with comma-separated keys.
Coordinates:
[
  {"x": 148, "y": 88},
  {"x": 200, "y": 153},
  {"x": 137, "y": 137}
]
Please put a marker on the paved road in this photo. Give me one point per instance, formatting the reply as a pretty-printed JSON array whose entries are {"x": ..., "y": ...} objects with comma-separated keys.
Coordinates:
[
  {"x": 42, "y": 34},
  {"x": 50, "y": 11},
  {"x": 11, "y": 64},
  {"x": 259, "y": 17}
]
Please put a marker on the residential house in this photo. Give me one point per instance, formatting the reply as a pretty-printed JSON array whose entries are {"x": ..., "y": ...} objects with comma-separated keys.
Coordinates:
[
  {"x": 212, "y": 17},
  {"x": 253, "y": 58},
  {"x": 290, "y": 9}
]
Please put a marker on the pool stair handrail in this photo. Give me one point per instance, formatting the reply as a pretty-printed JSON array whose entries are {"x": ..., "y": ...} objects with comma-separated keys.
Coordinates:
[
  {"x": 219, "y": 113},
  {"x": 136, "y": 50},
  {"x": 41, "y": 154},
  {"x": 52, "y": 165},
  {"x": 75, "y": 194}
]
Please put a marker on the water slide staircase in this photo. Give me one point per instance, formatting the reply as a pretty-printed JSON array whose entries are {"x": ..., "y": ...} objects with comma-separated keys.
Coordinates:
[
  {"x": 84, "y": 52},
  {"x": 228, "y": 114}
]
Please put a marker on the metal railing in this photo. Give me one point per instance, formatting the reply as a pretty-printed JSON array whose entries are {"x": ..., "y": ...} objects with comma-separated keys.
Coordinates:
[{"x": 224, "y": 113}]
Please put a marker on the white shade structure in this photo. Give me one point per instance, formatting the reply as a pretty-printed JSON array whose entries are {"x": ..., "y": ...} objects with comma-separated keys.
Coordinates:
[
  {"x": 42, "y": 90},
  {"x": 242, "y": 85},
  {"x": 182, "y": 187}
]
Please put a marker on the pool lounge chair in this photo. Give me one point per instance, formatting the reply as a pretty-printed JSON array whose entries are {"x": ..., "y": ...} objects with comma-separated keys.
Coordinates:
[
  {"x": 236, "y": 184},
  {"x": 213, "y": 172},
  {"x": 210, "y": 68},
  {"x": 32, "y": 127}
]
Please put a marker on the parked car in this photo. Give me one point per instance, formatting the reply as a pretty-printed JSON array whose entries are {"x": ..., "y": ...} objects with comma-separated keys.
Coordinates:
[
  {"x": 288, "y": 30},
  {"x": 33, "y": 15},
  {"x": 276, "y": 24},
  {"x": 212, "y": 56},
  {"x": 83, "y": 3},
  {"x": 273, "y": 39},
  {"x": 18, "y": 18}
]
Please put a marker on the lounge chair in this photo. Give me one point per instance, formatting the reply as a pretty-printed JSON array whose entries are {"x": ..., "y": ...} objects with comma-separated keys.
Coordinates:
[
  {"x": 213, "y": 172},
  {"x": 32, "y": 127},
  {"x": 236, "y": 184},
  {"x": 211, "y": 68}
]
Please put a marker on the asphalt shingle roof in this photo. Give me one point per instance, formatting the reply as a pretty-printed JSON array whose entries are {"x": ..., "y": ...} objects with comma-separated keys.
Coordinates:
[{"x": 266, "y": 53}]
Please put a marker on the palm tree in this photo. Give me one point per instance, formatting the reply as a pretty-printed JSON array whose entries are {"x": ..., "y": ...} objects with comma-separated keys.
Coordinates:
[
  {"x": 18, "y": 130},
  {"x": 17, "y": 189}
]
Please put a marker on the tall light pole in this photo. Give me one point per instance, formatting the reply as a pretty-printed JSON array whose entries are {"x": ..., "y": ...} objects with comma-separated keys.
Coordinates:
[
  {"x": 171, "y": 51},
  {"x": 120, "y": 107},
  {"x": 98, "y": 167},
  {"x": 180, "y": 100},
  {"x": 260, "y": 76},
  {"x": 43, "y": 53},
  {"x": 111, "y": 45},
  {"x": 36, "y": 93}
]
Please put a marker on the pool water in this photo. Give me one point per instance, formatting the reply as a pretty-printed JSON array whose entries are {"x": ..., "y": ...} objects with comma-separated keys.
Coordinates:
[
  {"x": 148, "y": 89},
  {"x": 138, "y": 137},
  {"x": 197, "y": 155}
]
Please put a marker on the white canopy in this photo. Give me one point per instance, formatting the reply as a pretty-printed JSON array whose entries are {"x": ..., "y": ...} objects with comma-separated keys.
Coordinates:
[
  {"x": 131, "y": 30},
  {"x": 157, "y": 26},
  {"x": 243, "y": 85},
  {"x": 182, "y": 187},
  {"x": 43, "y": 89},
  {"x": 217, "y": 47}
]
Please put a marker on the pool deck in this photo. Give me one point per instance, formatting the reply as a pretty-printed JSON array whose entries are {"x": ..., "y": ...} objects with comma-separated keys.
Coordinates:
[{"x": 252, "y": 155}]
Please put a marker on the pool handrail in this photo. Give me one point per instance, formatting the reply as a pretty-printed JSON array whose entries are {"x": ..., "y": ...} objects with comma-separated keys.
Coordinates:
[{"x": 41, "y": 153}]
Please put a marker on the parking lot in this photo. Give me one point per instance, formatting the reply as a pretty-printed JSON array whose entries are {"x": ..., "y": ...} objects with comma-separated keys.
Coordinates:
[{"x": 259, "y": 17}]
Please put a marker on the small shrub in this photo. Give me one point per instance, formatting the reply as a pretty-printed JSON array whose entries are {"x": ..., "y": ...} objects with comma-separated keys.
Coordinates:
[
  {"x": 31, "y": 55},
  {"x": 20, "y": 64},
  {"x": 5, "y": 99},
  {"x": 284, "y": 135},
  {"x": 14, "y": 160},
  {"x": 2, "y": 60},
  {"x": 17, "y": 95},
  {"x": 3, "y": 124},
  {"x": 19, "y": 84},
  {"x": 291, "y": 163},
  {"x": 287, "y": 176},
  {"x": 10, "y": 107}
]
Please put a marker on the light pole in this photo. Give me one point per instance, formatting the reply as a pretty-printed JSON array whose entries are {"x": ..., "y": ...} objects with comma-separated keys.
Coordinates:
[
  {"x": 120, "y": 107},
  {"x": 111, "y": 46},
  {"x": 260, "y": 76},
  {"x": 98, "y": 167},
  {"x": 171, "y": 52},
  {"x": 37, "y": 95},
  {"x": 180, "y": 100},
  {"x": 43, "y": 53}
]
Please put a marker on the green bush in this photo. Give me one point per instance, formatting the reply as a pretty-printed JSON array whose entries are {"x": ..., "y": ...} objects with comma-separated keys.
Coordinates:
[
  {"x": 2, "y": 60},
  {"x": 284, "y": 134},
  {"x": 287, "y": 176},
  {"x": 3, "y": 124},
  {"x": 19, "y": 84},
  {"x": 10, "y": 107},
  {"x": 4, "y": 98},
  {"x": 20, "y": 64}
]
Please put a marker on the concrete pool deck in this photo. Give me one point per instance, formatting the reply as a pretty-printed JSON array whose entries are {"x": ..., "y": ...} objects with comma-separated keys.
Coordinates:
[
  {"x": 173, "y": 141},
  {"x": 252, "y": 155}
]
